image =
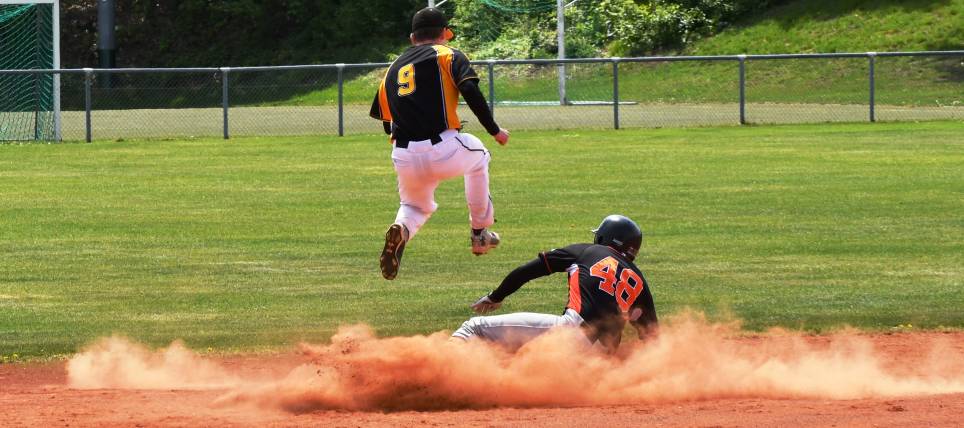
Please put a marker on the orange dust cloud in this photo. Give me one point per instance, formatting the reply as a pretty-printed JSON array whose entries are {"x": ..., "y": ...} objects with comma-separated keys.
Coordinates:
[{"x": 690, "y": 360}]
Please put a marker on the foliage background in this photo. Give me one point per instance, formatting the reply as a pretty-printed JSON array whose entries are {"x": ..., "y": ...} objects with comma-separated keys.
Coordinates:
[
  {"x": 276, "y": 32},
  {"x": 182, "y": 33}
]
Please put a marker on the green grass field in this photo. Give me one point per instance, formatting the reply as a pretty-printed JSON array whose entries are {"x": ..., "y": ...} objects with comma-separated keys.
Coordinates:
[
  {"x": 321, "y": 120},
  {"x": 256, "y": 243}
]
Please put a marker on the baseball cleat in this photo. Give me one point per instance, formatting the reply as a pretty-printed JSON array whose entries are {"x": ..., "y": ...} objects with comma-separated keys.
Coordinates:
[
  {"x": 392, "y": 253},
  {"x": 484, "y": 242}
]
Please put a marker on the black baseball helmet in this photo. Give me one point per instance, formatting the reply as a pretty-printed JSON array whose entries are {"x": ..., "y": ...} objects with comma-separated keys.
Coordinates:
[
  {"x": 431, "y": 17},
  {"x": 620, "y": 233}
]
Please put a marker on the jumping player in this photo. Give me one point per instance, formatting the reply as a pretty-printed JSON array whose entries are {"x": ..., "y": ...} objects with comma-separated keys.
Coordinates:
[
  {"x": 416, "y": 103},
  {"x": 605, "y": 291}
]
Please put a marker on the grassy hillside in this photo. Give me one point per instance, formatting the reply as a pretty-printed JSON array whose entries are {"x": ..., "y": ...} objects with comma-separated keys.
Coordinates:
[
  {"x": 795, "y": 27},
  {"x": 829, "y": 26},
  {"x": 843, "y": 26}
]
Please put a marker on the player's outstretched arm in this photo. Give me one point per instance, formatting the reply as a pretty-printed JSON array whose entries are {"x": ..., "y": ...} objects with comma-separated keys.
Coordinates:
[
  {"x": 485, "y": 305},
  {"x": 512, "y": 282}
]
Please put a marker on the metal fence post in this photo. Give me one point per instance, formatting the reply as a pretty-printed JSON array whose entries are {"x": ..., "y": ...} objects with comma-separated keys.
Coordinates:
[
  {"x": 872, "y": 56},
  {"x": 742, "y": 59},
  {"x": 224, "y": 97},
  {"x": 37, "y": 78},
  {"x": 341, "y": 95},
  {"x": 491, "y": 70},
  {"x": 616, "y": 92},
  {"x": 88, "y": 76}
]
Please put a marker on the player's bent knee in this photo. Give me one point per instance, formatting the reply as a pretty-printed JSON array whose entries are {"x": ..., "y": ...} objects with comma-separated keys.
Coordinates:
[{"x": 469, "y": 329}]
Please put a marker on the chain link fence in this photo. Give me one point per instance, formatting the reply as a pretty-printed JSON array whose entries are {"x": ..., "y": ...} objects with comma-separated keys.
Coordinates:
[
  {"x": 603, "y": 93},
  {"x": 806, "y": 90}
]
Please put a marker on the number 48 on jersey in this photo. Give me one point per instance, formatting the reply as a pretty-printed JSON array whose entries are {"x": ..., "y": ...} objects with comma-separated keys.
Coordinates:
[{"x": 625, "y": 290}]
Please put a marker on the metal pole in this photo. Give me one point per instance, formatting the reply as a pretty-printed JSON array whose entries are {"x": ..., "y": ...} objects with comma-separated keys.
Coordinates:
[
  {"x": 341, "y": 94},
  {"x": 491, "y": 69},
  {"x": 106, "y": 40},
  {"x": 37, "y": 88},
  {"x": 88, "y": 76},
  {"x": 872, "y": 56},
  {"x": 58, "y": 123},
  {"x": 742, "y": 59},
  {"x": 37, "y": 107},
  {"x": 224, "y": 98},
  {"x": 561, "y": 40},
  {"x": 616, "y": 93}
]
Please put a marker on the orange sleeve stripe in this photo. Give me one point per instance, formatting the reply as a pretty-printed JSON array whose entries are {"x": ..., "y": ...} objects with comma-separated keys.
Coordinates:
[
  {"x": 546, "y": 261},
  {"x": 450, "y": 92},
  {"x": 575, "y": 298},
  {"x": 383, "y": 101},
  {"x": 468, "y": 78}
]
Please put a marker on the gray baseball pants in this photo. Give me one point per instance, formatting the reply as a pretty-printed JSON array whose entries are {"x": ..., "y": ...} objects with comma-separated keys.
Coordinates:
[{"x": 516, "y": 329}]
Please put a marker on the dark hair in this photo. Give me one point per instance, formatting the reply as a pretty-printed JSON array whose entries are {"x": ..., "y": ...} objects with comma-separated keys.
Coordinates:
[{"x": 425, "y": 34}]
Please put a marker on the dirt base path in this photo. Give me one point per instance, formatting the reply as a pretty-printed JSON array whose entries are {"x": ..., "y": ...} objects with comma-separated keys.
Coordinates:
[{"x": 38, "y": 395}]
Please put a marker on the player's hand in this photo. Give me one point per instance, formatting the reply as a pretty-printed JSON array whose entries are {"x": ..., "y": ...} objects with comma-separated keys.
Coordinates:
[
  {"x": 485, "y": 305},
  {"x": 502, "y": 137}
]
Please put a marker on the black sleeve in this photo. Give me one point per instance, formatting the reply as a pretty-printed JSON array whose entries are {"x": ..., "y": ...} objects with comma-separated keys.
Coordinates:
[
  {"x": 380, "y": 111},
  {"x": 462, "y": 68},
  {"x": 647, "y": 325},
  {"x": 556, "y": 260},
  {"x": 559, "y": 260},
  {"x": 376, "y": 110},
  {"x": 515, "y": 279},
  {"x": 388, "y": 127},
  {"x": 476, "y": 101}
]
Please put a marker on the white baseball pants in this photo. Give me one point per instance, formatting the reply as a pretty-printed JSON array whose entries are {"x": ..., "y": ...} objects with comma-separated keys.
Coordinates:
[
  {"x": 422, "y": 166},
  {"x": 516, "y": 329}
]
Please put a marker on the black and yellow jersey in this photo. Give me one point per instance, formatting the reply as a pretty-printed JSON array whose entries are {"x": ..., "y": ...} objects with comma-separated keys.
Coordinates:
[{"x": 420, "y": 92}]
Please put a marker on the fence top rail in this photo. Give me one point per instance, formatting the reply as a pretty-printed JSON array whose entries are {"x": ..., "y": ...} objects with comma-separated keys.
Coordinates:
[
  {"x": 309, "y": 67},
  {"x": 605, "y": 60},
  {"x": 718, "y": 57},
  {"x": 112, "y": 70},
  {"x": 497, "y": 62},
  {"x": 922, "y": 53}
]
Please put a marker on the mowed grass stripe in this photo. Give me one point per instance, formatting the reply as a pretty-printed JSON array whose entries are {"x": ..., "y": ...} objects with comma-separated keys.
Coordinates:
[{"x": 257, "y": 243}]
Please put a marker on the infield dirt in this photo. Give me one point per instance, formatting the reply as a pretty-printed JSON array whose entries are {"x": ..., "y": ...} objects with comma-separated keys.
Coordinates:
[{"x": 695, "y": 374}]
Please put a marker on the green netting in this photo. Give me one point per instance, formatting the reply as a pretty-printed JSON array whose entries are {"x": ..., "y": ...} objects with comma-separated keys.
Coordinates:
[
  {"x": 521, "y": 6},
  {"x": 506, "y": 28},
  {"x": 27, "y": 101}
]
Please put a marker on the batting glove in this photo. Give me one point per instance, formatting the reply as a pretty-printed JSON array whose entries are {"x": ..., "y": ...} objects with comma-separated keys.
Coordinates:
[{"x": 485, "y": 305}]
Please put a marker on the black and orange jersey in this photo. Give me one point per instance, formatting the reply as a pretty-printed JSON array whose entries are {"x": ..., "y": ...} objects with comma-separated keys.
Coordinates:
[
  {"x": 420, "y": 92},
  {"x": 602, "y": 282},
  {"x": 605, "y": 288}
]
